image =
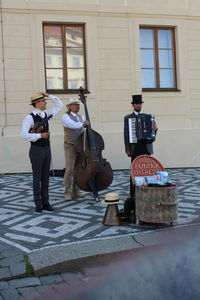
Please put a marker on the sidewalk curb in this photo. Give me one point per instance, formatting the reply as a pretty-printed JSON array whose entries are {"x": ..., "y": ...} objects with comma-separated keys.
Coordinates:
[{"x": 58, "y": 259}]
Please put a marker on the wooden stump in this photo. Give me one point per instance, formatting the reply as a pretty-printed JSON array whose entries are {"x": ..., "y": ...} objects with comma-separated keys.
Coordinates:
[{"x": 156, "y": 204}]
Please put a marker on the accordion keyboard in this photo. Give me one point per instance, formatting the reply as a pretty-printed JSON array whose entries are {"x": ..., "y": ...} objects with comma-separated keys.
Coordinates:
[{"x": 132, "y": 125}]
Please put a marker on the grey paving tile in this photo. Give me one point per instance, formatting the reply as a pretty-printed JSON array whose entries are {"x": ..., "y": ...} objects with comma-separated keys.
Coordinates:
[
  {"x": 11, "y": 252},
  {"x": 47, "y": 292},
  {"x": 5, "y": 273},
  {"x": 28, "y": 292},
  {"x": 50, "y": 279},
  {"x": 4, "y": 246},
  {"x": 61, "y": 289},
  {"x": 42, "y": 289},
  {"x": 12, "y": 260},
  {"x": 18, "y": 269},
  {"x": 25, "y": 282},
  {"x": 3, "y": 285},
  {"x": 10, "y": 294}
]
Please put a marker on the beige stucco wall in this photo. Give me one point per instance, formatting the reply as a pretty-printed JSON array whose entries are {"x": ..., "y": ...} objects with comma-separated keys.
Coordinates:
[{"x": 113, "y": 65}]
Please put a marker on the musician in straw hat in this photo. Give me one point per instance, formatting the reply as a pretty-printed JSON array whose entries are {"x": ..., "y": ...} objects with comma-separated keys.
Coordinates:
[
  {"x": 74, "y": 125},
  {"x": 35, "y": 129}
]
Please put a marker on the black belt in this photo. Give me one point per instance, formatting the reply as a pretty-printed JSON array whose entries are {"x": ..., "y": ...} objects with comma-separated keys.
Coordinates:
[{"x": 40, "y": 145}]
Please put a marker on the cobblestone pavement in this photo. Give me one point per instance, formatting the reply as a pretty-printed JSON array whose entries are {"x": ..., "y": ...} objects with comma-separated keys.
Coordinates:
[{"x": 22, "y": 230}]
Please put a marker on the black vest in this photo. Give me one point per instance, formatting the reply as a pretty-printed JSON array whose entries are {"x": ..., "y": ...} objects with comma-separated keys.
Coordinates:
[{"x": 44, "y": 122}]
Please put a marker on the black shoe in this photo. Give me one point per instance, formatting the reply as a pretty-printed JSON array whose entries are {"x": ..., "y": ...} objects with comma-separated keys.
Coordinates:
[
  {"x": 121, "y": 213},
  {"x": 38, "y": 209},
  {"x": 47, "y": 207}
]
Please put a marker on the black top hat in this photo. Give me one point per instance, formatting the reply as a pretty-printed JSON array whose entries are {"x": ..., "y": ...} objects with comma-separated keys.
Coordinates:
[{"x": 137, "y": 99}]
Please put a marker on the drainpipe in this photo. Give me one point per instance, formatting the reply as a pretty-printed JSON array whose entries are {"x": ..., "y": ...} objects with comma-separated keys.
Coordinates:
[{"x": 3, "y": 68}]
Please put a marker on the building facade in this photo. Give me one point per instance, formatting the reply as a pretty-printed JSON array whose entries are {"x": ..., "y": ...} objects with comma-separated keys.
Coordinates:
[{"x": 114, "y": 49}]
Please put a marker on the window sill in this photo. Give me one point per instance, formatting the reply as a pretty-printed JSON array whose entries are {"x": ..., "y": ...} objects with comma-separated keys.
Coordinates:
[
  {"x": 160, "y": 90},
  {"x": 75, "y": 91}
]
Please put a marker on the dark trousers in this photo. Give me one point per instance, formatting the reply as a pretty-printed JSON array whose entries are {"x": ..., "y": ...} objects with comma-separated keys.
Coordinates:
[
  {"x": 40, "y": 157},
  {"x": 139, "y": 149}
]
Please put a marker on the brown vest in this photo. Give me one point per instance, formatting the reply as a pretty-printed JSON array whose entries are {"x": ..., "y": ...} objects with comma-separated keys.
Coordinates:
[{"x": 70, "y": 135}]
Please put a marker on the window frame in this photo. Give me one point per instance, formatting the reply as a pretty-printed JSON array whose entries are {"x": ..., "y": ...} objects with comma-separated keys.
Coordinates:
[
  {"x": 65, "y": 90},
  {"x": 156, "y": 57}
]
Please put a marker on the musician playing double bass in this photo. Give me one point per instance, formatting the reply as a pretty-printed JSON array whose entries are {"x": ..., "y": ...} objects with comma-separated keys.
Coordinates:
[
  {"x": 86, "y": 169},
  {"x": 74, "y": 125},
  {"x": 135, "y": 149}
]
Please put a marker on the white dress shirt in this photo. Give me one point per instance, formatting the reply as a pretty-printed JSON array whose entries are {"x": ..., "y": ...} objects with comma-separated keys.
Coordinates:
[
  {"x": 137, "y": 113},
  {"x": 69, "y": 123},
  {"x": 28, "y": 122}
]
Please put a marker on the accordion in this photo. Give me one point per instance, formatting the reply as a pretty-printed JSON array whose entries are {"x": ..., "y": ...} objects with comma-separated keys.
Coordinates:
[{"x": 140, "y": 129}]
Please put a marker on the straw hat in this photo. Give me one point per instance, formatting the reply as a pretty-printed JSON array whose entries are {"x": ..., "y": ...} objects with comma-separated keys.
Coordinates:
[
  {"x": 37, "y": 97},
  {"x": 111, "y": 198},
  {"x": 73, "y": 101}
]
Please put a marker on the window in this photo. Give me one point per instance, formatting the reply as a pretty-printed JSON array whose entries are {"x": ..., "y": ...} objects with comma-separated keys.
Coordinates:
[
  {"x": 157, "y": 52},
  {"x": 64, "y": 54}
]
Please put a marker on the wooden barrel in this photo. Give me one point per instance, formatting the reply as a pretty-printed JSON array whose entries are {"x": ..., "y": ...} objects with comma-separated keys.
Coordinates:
[{"x": 156, "y": 204}]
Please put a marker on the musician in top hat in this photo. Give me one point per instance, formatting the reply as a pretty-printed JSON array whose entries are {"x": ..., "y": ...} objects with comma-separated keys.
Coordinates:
[
  {"x": 35, "y": 129},
  {"x": 135, "y": 149},
  {"x": 73, "y": 124}
]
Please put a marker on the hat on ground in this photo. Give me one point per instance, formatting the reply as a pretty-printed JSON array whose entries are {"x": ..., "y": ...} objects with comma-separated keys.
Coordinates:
[
  {"x": 73, "y": 101},
  {"x": 111, "y": 198},
  {"x": 36, "y": 98},
  {"x": 137, "y": 99}
]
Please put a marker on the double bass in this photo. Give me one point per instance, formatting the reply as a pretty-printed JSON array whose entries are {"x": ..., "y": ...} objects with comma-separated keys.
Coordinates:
[{"x": 92, "y": 172}]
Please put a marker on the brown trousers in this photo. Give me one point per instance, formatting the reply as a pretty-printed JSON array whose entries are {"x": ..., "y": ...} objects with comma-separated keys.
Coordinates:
[{"x": 70, "y": 158}]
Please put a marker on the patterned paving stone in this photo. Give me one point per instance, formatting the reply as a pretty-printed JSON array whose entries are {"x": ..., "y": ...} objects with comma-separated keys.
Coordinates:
[{"x": 80, "y": 219}]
